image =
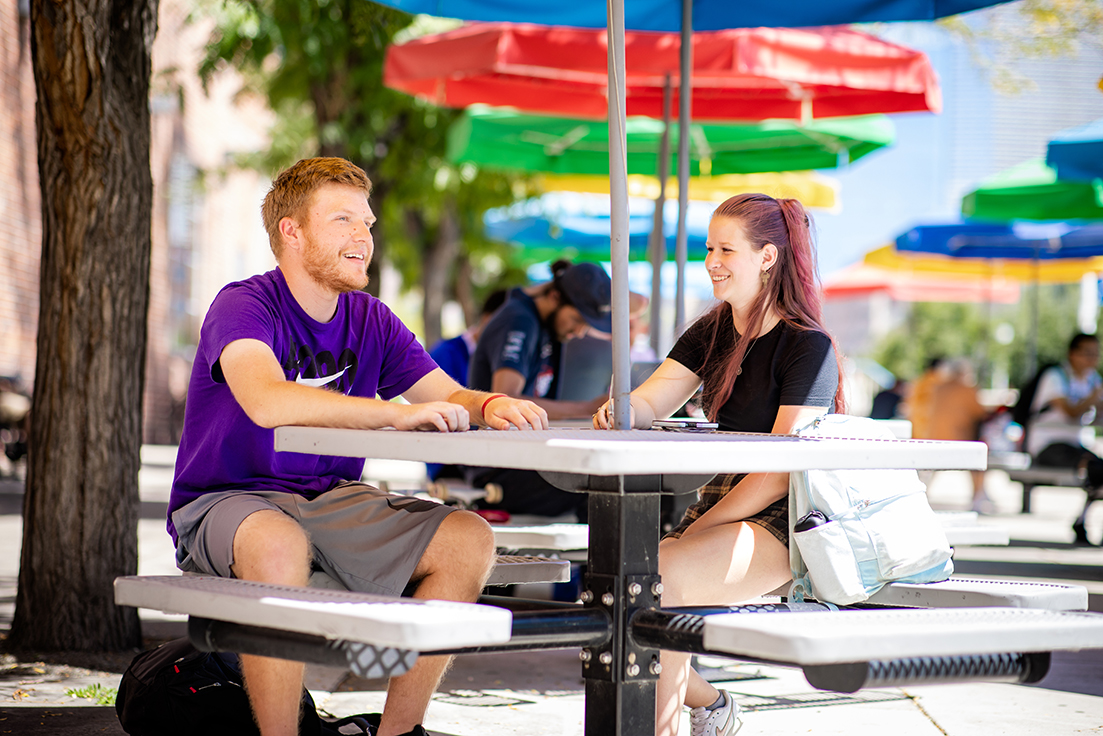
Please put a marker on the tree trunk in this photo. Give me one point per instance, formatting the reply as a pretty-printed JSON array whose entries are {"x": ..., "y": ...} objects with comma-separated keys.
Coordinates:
[
  {"x": 435, "y": 269},
  {"x": 465, "y": 294},
  {"x": 92, "y": 70}
]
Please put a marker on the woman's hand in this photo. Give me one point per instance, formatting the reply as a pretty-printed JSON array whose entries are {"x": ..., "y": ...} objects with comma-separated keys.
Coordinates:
[{"x": 603, "y": 417}]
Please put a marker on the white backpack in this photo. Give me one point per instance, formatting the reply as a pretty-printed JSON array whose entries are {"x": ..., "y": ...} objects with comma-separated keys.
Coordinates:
[{"x": 873, "y": 527}]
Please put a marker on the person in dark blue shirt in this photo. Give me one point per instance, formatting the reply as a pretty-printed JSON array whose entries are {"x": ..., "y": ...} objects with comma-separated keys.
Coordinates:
[
  {"x": 454, "y": 356},
  {"x": 518, "y": 354}
]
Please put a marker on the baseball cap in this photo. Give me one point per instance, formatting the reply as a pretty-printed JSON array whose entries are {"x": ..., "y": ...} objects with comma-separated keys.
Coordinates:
[{"x": 589, "y": 290}]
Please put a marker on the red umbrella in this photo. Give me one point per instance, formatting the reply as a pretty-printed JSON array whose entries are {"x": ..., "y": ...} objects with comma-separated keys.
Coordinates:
[
  {"x": 738, "y": 74},
  {"x": 860, "y": 280}
]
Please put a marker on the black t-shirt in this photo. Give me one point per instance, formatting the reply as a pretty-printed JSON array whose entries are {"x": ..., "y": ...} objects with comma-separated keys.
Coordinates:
[
  {"x": 515, "y": 338},
  {"x": 785, "y": 367}
]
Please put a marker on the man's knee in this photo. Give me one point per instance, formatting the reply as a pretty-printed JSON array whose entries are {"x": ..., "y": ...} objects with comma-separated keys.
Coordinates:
[
  {"x": 270, "y": 546},
  {"x": 464, "y": 540}
]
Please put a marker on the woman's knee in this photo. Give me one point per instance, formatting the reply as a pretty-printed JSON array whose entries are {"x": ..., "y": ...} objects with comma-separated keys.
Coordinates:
[{"x": 670, "y": 562}]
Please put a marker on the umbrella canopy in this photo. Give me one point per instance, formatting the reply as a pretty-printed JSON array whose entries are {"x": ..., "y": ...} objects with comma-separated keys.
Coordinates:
[
  {"x": 708, "y": 15},
  {"x": 505, "y": 139},
  {"x": 668, "y": 15},
  {"x": 811, "y": 188},
  {"x": 1032, "y": 191},
  {"x": 1053, "y": 271},
  {"x": 1077, "y": 153},
  {"x": 1048, "y": 242},
  {"x": 572, "y": 227},
  {"x": 738, "y": 74},
  {"x": 862, "y": 279}
]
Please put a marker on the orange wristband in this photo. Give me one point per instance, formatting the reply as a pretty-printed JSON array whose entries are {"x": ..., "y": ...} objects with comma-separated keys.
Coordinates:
[{"x": 495, "y": 396}]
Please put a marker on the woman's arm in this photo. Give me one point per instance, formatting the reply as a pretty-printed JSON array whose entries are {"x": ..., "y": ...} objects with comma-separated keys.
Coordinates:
[
  {"x": 663, "y": 393},
  {"x": 757, "y": 490}
]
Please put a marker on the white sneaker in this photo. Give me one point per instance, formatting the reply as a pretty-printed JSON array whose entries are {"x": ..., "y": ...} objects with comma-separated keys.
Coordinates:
[{"x": 724, "y": 721}]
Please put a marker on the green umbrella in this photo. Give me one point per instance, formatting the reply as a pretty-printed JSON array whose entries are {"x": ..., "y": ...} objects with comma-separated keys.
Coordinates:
[
  {"x": 503, "y": 138},
  {"x": 1032, "y": 191}
]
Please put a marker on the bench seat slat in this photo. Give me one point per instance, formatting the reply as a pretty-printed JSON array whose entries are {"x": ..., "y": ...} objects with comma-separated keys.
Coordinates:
[
  {"x": 964, "y": 592},
  {"x": 403, "y": 623},
  {"x": 831, "y": 637}
]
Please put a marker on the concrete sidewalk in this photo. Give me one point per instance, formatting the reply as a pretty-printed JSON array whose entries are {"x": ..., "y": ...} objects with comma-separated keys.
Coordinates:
[{"x": 541, "y": 693}]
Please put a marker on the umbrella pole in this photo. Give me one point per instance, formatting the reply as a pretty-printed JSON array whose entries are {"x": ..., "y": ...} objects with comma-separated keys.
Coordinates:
[
  {"x": 685, "y": 97},
  {"x": 658, "y": 232},
  {"x": 618, "y": 208}
]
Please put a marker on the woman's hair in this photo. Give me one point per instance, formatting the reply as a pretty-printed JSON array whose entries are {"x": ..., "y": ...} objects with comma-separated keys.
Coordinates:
[
  {"x": 791, "y": 288},
  {"x": 292, "y": 190}
]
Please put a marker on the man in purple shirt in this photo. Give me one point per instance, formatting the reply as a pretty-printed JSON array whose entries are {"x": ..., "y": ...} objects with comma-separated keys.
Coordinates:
[{"x": 303, "y": 345}]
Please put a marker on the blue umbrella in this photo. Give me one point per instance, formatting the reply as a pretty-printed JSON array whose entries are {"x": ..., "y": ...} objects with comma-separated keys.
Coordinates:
[
  {"x": 1033, "y": 241},
  {"x": 1077, "y": 153},
  {"x": 562, "y": 228},
  {"x": 708, "y": 15},
  {"x": 1036, "y": 242}
]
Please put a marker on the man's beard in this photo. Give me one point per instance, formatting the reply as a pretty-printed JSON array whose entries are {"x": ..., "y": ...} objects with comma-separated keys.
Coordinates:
[{"x": 328, "y": 272}]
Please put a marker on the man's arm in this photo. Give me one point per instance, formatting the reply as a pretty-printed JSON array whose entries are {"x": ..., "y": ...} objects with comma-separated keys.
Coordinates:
[
  {"x": 511, "y": 383},
  {"x": 258, "y": 384},
  {"x": 486, "y": 409}
]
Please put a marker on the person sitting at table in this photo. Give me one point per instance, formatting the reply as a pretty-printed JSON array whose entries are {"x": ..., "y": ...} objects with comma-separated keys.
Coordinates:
[
  {"x": 454, "y": 354},
  {"x": 454, "y": 357},
  {"x": 766, "y": 364},
  {"x": 1065, "y": 395},
  {"x": 517, "y": 355},
  {"x": 304, "y": 345}
]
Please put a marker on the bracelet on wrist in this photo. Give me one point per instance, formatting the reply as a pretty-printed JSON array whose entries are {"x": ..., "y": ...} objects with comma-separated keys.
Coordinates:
[{"x": 491, "y": 398}]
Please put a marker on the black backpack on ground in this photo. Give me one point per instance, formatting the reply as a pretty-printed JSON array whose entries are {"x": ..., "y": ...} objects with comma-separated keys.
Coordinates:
[{"x": 177, "y": 690}]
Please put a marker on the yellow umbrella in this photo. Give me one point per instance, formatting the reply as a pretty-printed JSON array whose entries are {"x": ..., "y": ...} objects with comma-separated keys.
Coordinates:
[
  {"x": 1059, "y": 271},
  {"x": 811, "y": 188}
]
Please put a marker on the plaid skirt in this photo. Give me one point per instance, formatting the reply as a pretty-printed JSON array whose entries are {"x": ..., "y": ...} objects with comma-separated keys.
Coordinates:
[{"x": 774, "y": 518}]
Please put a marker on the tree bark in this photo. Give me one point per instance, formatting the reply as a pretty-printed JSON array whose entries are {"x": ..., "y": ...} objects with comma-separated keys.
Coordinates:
[
  {"x": 435, "y": 270},
  {"x": 92, "y": 70}
]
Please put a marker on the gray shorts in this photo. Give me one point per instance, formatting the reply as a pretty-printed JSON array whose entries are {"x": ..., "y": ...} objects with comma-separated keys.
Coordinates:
[{"x": 369, "y": 540}]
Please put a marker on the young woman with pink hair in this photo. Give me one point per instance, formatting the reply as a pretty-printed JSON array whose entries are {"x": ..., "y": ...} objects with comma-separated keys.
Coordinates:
[{"x": 765, "y": 363}]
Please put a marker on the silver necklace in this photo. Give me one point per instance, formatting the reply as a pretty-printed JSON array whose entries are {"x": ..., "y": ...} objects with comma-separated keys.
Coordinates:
[{"x": 739, "y": 370}]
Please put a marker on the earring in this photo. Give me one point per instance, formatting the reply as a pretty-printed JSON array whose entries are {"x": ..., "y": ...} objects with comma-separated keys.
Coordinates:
[{"x": 766, "y": 277}]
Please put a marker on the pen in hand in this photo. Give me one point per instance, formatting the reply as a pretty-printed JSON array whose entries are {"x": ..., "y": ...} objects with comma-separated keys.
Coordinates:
[{"x": 609, "y": 409}]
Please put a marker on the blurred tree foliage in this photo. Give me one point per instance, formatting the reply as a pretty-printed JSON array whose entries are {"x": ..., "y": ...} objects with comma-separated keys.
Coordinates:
[
  {"x": 318, "y": 64},
  {"x": 1029, "y": 29},
  {"x": 969, "y": 330}
]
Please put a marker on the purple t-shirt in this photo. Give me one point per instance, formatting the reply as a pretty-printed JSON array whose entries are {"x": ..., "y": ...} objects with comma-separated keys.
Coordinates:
[{"x": 365, "y": 350}]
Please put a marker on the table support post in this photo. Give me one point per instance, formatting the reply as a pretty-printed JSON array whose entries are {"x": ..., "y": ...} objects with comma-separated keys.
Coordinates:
[{"x": 622, "y": 578}]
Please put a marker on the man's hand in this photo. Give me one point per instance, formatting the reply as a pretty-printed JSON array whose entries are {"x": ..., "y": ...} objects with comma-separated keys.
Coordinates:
[
  {"x": 506, "y": 411},
  {"x": 442, "y": 416}
]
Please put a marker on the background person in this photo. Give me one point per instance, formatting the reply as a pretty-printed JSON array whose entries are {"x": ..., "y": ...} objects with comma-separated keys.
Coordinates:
[
  {"x": 1065, "y": 395},
  {"x": 454, "y": 354},
  {"x": 767, "y": 365},
  {"x": 518, "y": 356},
  {"x": 956, "y": 414},
  {"x": 917, "y": 404},
  {"x": 303, "y": 345},
  {"x": 454, "y": 358},
  {"x": 886, "y": 404}
]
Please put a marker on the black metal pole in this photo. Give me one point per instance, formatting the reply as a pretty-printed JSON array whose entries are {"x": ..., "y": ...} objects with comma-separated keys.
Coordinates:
[{"x": 622, "y": 579}]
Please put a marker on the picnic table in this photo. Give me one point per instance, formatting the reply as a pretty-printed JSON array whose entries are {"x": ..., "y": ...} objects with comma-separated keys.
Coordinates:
[
  {"x": 625, "y": 471},
  {"x": 620, "y": 627}
]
